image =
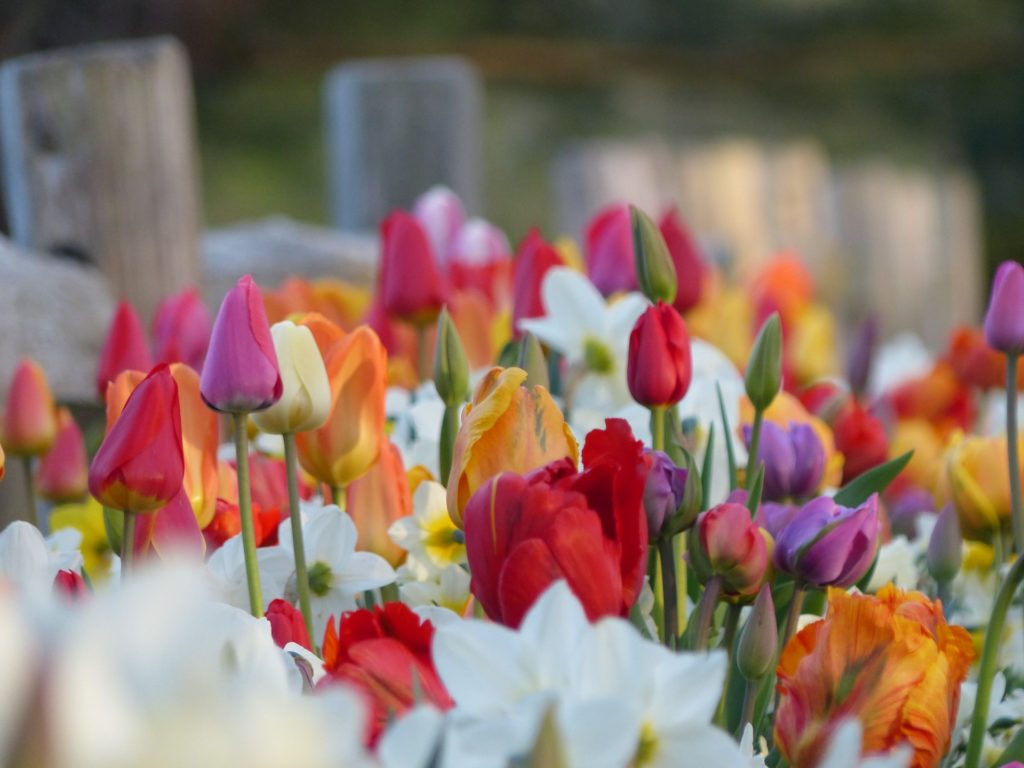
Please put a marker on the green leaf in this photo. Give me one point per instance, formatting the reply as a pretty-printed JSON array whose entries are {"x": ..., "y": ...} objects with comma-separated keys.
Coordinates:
[
  {"x": 754, "y": 499},
  {"x": 733, "y": 484},
  {"x": 1014, "y": 750},
  {"x": 707, "y": 466},
  {"x": 875, "y": 480}
]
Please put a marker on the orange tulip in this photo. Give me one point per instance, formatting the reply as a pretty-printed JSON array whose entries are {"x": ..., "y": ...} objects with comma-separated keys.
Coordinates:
[
  {"x": 349, "y": 443},
  {"x": 892, "y": 661},
  {"x": 976, "y": 478},
  {"x": 63, "y": 473},
  {"x": 506, "y": 428},
  {"x": 376, "y": 500},
  {"x": 30, "y": 418}
]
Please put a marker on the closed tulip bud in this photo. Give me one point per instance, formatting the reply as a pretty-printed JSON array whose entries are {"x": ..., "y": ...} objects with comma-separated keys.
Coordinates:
[
  {"x": 659, "y": 366},
  {"x": 411, "y": 286},
  {"x": 30, "y": 417},
  {"x": 945, "y": 546},
  {"x": 608, "y": 244},
  {"x": 181, "y": 329},
  {"x": 124, "y": 349},
  {"x": 858, "y": 366},
  {"x": 763, "y": 377},
  {"x": 139, "y": 466},
  {"x": 451, "y": 368},
  {"x": 663, "y": 492},
  {"x": 731, "y": 546},
  {"x": 1004, "y": 320},
  {"x": 686, "y": 257},
  {"x": 655, "y": 271},
  {"x": 533, "y": 260},
  {"x": 63, "y": 473},
  {"x": 70, "y": 585},
  {"x": 306, "y": 391},
  {"x": 793, "y": 459},
  {"x": 240, "y": 374},
  {"x": 287, "y": 625},
  {"x": 532, "y": 360},
  {"x": 759, "y": 638}
]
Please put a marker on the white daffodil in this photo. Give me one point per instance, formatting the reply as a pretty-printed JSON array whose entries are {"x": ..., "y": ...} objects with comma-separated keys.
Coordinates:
[
  {"x": 445, "y": 588},
  {"x": 898, "y": 564},
  {"x": 428, "y": 535},
  {"x": 19, "y": 660},
  {"x": 593, "y": 336},
  {"x": 227, "y": 568},
  {"x": 844, "y": 751},
  {"x": 417, "y": 424},
  {"x": 337, "y": 572},
  {"x": 30, "y": 562}
]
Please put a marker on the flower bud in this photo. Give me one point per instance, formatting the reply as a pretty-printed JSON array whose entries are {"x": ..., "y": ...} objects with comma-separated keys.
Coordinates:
[
  {"x": 655, "y": 271},
  {"x": 181, "y": 329},
  {"x": 63, "y": 473},
  {"x": 532, "y": 360},
  {"x": 124, "y": 349},
  {"x": 30, "y": 417},
  {"x": 70, "y": 585},
  {"x": 663, "y": 492},
  {"x": 608, "y": 242},
  {"x": 763, "y": 377},
  {"x": 533, "y": 260},
  {"x": 451, "y": 368},
  {"x": 305, "y": 389},
  {"x": 858, "y": 366},
  {"x": 731, "y": 546},
  {"x": 686, "y": 258},
  {"x": 411, "y": 285},
  {"x": 945, "y": 546},
  {"x": 659, "y": 365},
  {"x": 793, "y": 459},
  {"x": 286, "y": 624},
  {"x": 759, "y": 638},
  {"x": 1004, "y": 320}
]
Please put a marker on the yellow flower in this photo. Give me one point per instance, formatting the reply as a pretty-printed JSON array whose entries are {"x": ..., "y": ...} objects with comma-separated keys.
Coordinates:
[
  {"x": 428, "y": 534},
  {"x": 923, "y": 439},
  {"x": 87, "y": 519},
  {"x": 306, "y": 391},
  {"x": 977, "y": 480},
  {"x": 811, "y": 343}
]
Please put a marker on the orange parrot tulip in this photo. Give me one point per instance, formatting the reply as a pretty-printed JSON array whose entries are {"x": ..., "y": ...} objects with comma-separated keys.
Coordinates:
[
  {"x": 376, "y": 500},
  {"x": 892, "y": 661},
  {"x": 506, "y": 428}
]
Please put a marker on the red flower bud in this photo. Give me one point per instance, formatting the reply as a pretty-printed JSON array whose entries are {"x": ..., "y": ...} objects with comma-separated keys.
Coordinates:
[
  {"x": 287, "y": 625},
  {"x": 687, "y": 259},
  {"x": 70, "y": 584},
  {"x": 534, "y": 259},
  {"x": 124, "y": 349},
  {"x": 63, "y": 473},
  {"x": 730, "y": 545},
  {"x": 410, "y": 282},
  {"x": 659, "y": 368}
]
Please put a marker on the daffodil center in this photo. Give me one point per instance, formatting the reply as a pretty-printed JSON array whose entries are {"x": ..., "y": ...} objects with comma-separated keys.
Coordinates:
[
  {"x": 647, "y": 748},
  {"x": 598, "y": 356},
  {"x": 320, "y": 578}
]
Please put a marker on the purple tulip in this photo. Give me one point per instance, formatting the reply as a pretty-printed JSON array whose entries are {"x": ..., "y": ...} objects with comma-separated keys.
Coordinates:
[
  {"x": 905, "y": 506},
  {"x": 1004, "y": 321},
  {"x": 478, "y": 243},
  {"x": 826, "y": 544},
  {"x": 862, "y": 353},
  {"x": 794, "y": 460},
  {"x": 608, "y": 250},
  {"x": 240, "y": 374},
  {"x": 663, "y": 491}
]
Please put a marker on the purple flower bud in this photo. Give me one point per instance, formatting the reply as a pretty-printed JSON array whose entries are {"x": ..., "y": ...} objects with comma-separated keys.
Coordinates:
[
  {"x": 826, "y": 544},
  {"x": 794, "y": 460},
  {"x": 858, "y": 365},
  {"x": 1004, "y": 321},
  {"x": 663, "y": 491}
]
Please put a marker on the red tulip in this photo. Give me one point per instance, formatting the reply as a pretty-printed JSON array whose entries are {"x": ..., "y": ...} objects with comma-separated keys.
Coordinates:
[
  {"x": 410, "y": 283},
  {"x": 589, "y": 528},
  {"x": 687, "y": 259},
  {"x": 659, "y": 367},
  {"x": 227, "y": 522},
  {"x": 861, "y": 438},
  {"x": 125, "y": 348},
  {"x": 30, "y": 418},
  {"x": 287, "y": 625},
  {"x": 532, "y": 262},
  {"x": 63, "y": 473},
  {"x": 608, "y": 244},
  {"x": 140, "y": 465},
  {"x": 70, "y": 584},
  {"x": 730, "y": 546},
  {"x": 181, "y": 329}
]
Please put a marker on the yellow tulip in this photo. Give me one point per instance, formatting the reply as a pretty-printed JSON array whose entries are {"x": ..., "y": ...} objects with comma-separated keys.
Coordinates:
[
  {"x": 306, "y": 391},
  {"x": 977, "y": 481}
]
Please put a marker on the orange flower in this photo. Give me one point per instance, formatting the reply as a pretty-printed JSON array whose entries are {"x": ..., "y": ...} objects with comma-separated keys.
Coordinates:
[
  {"x": 892, "y": 661},
  {"x": 349, "y": 443},
  {"x": 507, "y": 428},
  {"x": 376, "y": 500},
  {"x": 30, "y": 417},
  {"x": 938, "y": 397}
]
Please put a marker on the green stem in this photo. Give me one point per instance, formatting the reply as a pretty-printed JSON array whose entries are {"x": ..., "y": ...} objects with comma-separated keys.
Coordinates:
[
  {"x": 706, "y": 613},
  {"x": 422, "y": 353},
  {"x": 449, "y": 431},
  {"x": 389, "y": 593},
  {"x": 658, "y": 427},
  {"x": 298, "y": 545},
  {"x": 989, "y": 659},
  {"x": 755, "y": 442},
  {"x": 749, "y": 702},
  {"x": 1012, "y": 452},
  {"x": 128, "y": 544},
  {"x": 792, "y": 616},
  {"x": 732, "y": 622},
  {"x": 30, "y": 491},
  {"x": 337, "y": 493},
  {"x": 252, "y": 569},
  {"x": 666, "y": 554},
  {"x": 654, "y": 579}
]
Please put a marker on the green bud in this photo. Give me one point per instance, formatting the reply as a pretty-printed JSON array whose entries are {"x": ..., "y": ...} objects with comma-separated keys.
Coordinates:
[
  {"x": 764, "y": 368},
  {"x": 759, "y": 638},
  {"x": 945, "y": 547},
  {"x": 655, "y": 271},
  {"x": 532, "y": 360},
  {"x": 451, "y": 368}
]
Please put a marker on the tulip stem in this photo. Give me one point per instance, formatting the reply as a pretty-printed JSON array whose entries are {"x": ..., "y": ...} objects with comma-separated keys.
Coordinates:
[
  {"x": 706, "y": 613},
  {"x": 449, "y": 430},
  {"x": 658, "y": 427},
  {"x": 732, "y": 622},
  {"x": 750, "y": 691},
  {"x": 252, "y": 570},
  {"x": 792, "y": 616},
  {"x": 128, "y": 544},
  {"x": 30, "y": 491},
  {"x": 1012, "y": 456},
  {"x": 422, "y": 353},
  {"x": 336, "y": 494},
  {"x": 666, "y": 554},
  {"x": 989, "y": 660},
  {"x": 298, "y": 545},
  {"x": 755, "y": 442}
]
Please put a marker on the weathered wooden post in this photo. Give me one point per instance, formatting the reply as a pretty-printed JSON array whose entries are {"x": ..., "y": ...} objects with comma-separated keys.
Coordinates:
[
  {"x": 396, "y": 127},
  {"x": 97, "y": 146}
]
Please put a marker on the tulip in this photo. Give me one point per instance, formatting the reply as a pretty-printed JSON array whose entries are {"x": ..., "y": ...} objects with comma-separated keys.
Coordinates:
[
  {"x": 861, "y": 438},
  {"x": 125, "y": 347},
  {"x": 479, "y": 260},
  {"x": 793, "y": 459},
  {"x": 506, "y": 428},
  {"x": 862, "y": 353},
  {"x": 826, "y": 544},
  {"x": 306, "y": 391},
  {"x": 533, "y": 260},
  {"x": 440, "y": 213},
  {"x": 1004, "y": 320},
  {"x": 664, "y": 492},
  {"x": 659, "y": 367},
  {"x": 376, "y": 500},
  {"x": 349, "y": 443},
  {"x": 63, "y": 473},
  {"x": 974, "y": 361},
  {"x": 945, "y": 547},
  {"x": 730, "y": 547},
  {"x": 755, "y": 651},
  {"x": 939, "y": 397},
  {"x": 30, "y": 417},
  {"x": 609, "y": 250},
  {"x": 655, "y": 271},
  {"x": 763, "y": 377},
  {"x": 227, "y": 523},
  {"x": 286, "y": 625},
  {"x": 686, "y": 258},
  {"x": 891, "y": 661},
  {"x": 588, "y": 528},
  {"x": 181, "y": 329},
  {"x": 410, "y": 283},
  {"x": 451, "y": 378},
  {"x": 977, "y": 480},
  {"x": 241, "y": 374},
  {"x": 70, "y": 584}
]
